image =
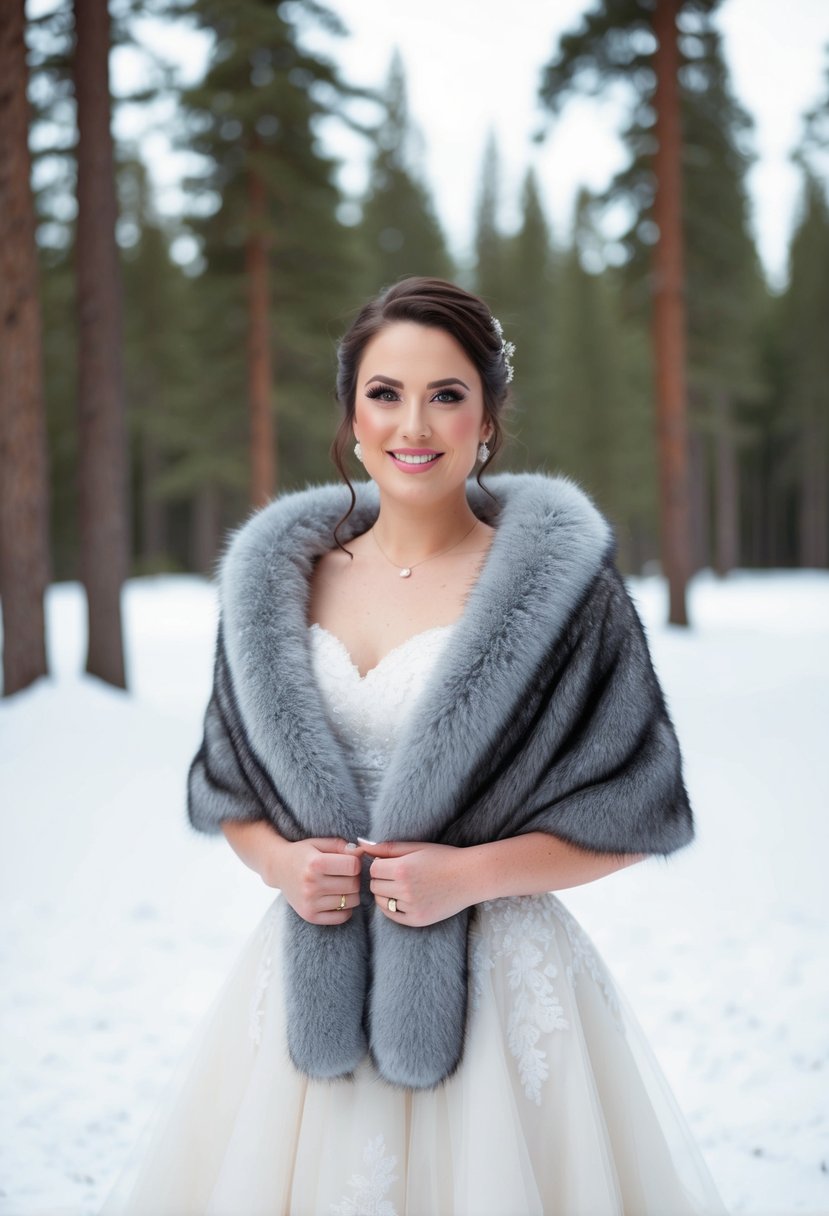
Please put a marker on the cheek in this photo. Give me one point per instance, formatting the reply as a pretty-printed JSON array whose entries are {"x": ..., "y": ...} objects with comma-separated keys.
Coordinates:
[
  {"x": 372, "y": 424},
  {"x": 461, "y": 429}
]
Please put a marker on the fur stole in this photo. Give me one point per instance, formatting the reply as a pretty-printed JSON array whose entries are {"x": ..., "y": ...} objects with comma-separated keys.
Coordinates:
[{"x": 544, "y": 715}]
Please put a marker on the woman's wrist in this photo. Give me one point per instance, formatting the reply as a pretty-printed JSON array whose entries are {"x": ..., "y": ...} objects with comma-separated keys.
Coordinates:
[
  {"x": 260, "y": 847},
  {"x": 481, "y": 878},
  {"x": 533, "y": 864},
  {"x": 517, "y": 865}
]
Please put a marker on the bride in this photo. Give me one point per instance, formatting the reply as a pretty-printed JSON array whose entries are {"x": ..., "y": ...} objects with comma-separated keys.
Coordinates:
[{"x": 418, "y": 733}]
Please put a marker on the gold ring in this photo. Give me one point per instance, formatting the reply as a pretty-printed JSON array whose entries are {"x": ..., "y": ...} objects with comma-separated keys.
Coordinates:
[
  {"x": 342, "y": 902},
  {"x": 392, "y": 904}
]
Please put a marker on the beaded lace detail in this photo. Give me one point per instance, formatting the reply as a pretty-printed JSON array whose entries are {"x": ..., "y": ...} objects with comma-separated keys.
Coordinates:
[
  {"x": 518, "y": 929},
  {"x": 367, "y": 712},
  {"x": 263, "y": 974}
]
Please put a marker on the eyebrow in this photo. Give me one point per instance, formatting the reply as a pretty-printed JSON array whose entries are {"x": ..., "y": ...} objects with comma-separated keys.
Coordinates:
[{"x": 431, "y": 384}]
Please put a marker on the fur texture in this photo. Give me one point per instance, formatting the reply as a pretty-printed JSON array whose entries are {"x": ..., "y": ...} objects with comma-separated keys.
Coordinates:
[{"x": 546, "y": 715}]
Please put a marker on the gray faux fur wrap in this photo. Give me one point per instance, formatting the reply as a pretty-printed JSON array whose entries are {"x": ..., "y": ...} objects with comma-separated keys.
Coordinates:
[{"x": 545, "y": 714}]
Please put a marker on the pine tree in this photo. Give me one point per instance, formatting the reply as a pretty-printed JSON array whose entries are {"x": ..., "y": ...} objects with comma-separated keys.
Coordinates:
[
  {"x": 102, "y": 448},
  {"x": 605, "y": 428},
  {"x": 164, "y": 370},
  {"x": 804, "y": 324},
  {"x": 278, "y": 263},
  {"x": 24, "y": 491},
  {"x": 527, "y": 301},
  {"x": 727, "y": 298},
  {"x": 637, "y": 42},
  {"x": 399, "y": 232},
  {"x": 490, "y": 274}
]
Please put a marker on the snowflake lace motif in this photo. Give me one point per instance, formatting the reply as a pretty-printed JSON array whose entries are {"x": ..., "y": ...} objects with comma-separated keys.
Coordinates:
[
  {"x": 263, "y": 975},
  {"x": 370, "y": 1189},
  {"x": 586, "y": 961},
  {"x": 519, "y": 929}
]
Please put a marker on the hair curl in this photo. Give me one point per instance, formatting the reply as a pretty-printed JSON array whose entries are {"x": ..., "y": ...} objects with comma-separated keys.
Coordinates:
[{"x": 440, "y": 304}]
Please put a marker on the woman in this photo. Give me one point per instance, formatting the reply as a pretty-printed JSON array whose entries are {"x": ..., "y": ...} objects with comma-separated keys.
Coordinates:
[{"x": 417, "y": 733}]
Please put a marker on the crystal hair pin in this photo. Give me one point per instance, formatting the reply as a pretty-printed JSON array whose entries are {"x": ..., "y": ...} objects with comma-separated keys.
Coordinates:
[{"x": 507, "y": 348}]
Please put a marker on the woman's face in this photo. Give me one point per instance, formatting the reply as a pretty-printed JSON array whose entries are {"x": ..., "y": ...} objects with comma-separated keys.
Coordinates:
[{"x": 418, "y": 392}]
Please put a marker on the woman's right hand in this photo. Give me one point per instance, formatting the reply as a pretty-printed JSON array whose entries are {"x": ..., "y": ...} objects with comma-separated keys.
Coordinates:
[{"x": 314, "y": 874}]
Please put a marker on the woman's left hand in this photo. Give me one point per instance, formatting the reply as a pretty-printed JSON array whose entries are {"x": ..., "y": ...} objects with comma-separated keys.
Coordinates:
[{"x": 427, "y": 880}]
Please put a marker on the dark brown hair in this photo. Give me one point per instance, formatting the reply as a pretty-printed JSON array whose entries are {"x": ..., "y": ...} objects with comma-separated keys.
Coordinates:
[{"x": 443, "y": 305}]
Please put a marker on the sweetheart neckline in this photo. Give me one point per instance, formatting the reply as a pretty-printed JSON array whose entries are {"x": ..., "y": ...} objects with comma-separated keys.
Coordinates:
[{"x": 394, "y": 650}]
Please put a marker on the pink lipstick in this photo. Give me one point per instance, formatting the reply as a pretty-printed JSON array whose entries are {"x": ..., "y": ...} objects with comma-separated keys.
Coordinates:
[{"x": 415, "y": 466}]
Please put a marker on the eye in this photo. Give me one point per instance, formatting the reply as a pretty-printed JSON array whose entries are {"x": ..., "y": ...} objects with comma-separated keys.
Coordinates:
[{"x": 378, "y": 391}]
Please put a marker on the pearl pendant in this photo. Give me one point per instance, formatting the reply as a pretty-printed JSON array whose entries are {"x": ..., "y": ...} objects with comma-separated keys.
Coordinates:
[{"x": 405, "y": 572}]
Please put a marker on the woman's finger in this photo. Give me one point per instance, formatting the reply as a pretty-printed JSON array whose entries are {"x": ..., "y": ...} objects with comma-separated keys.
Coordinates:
[
  {"x": 337, "y": 884},
  {"x": 382, "y": 902},
  {"x": 382, "y": 886},
  {"x": 332, "y": 904}
]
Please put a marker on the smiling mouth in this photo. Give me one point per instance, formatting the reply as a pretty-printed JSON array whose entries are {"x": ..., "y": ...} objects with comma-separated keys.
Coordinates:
[{"x": 405, "y": 459}]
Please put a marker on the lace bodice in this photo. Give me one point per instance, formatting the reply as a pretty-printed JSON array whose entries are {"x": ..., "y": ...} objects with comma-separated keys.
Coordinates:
[{"x": 368, "y": 712}]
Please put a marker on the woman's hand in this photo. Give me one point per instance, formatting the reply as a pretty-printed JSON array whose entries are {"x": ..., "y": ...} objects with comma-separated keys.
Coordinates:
[
  {"x": 314, "y": 874},
  {"x": 427, "y": 880}
]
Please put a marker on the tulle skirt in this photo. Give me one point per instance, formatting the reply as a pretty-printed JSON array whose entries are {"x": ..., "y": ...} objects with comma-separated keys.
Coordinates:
[{"x": 559, "y": 1105}]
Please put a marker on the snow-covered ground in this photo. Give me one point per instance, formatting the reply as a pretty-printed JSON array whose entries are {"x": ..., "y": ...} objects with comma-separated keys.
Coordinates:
[{"x": 119, "y": 922}]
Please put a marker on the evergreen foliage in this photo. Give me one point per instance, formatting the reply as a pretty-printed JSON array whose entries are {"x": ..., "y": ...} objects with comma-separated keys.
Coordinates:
[{"x": 576, "y": 307}]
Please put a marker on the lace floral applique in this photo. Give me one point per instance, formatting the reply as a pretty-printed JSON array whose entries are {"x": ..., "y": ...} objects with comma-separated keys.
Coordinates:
[
  {"x": 371, "y": 1188},
  {"x": 263, "y": 975},
  {"x": 519, "y": 929},
  {"x": 585, "y": 959}
]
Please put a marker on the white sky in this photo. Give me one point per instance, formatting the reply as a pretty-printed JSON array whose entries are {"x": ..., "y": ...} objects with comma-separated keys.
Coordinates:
[{"x": 471, "y": 66}]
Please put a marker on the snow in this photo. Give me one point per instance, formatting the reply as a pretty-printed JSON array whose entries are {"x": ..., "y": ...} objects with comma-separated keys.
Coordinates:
[{"x": 119, "y": 922}]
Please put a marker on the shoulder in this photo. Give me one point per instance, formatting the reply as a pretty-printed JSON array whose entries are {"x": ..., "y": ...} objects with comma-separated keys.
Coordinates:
[
  {"x": 294, "y": 522},
  {"x": 546, "y": 511}
]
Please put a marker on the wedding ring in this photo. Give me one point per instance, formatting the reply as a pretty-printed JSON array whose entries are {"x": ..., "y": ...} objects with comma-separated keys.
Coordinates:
[
  {"x": 342, "y": 902},
  {"x": 392, "y": 904}
]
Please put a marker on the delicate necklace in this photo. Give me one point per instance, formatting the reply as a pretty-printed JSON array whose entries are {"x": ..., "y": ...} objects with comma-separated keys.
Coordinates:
[{"x": 407, "y": 570}]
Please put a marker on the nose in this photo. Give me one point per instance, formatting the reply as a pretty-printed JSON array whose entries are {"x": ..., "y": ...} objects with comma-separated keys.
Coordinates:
[{"x": 415, "y": 422}]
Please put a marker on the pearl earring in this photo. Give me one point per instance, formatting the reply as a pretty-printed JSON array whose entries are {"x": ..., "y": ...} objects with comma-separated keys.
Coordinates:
[
  {"x": 483, "y": 452},
  {"x": 358, "y": 451}
]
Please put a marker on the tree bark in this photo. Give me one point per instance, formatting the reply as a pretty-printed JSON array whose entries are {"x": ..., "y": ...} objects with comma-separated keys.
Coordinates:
[
  {"x": 25, "y": 564},
  {"x": 153, "y": 510},
  {"x": 669, "y": 319},
  {"x": 814, "y": 491},
  {"x": 262, "y": 429},
  {"x": 102, "y": 439},
  {"x": 205, "y": 529},
  {"x": 727, "y": 515},
  {"x": 700, "y": 516}
]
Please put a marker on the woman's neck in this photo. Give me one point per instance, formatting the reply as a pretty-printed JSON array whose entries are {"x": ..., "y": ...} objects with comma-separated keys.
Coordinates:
[{"x": 408, "y": 534}]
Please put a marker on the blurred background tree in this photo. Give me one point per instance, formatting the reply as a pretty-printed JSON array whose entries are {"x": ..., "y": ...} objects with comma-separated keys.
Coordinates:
[{"x": 232, "y": 308}]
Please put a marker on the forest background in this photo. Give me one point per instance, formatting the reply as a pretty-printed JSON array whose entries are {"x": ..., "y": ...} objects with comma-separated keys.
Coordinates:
[
  {"x": 127, "y": 338},
  {"x": 212, "y": 384}
]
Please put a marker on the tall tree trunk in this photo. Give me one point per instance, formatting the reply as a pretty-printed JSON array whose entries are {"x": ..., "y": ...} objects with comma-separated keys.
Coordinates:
[
  {"x": 727, "y": 517},
  {"x": 776, "y": 512},
  {"x": 755, "y": 495},
  {"x": 700, "y": 515},
  {"x": 102, "y": 449},
  {"x": 669, "y": 318},
  {"x": 25, "y": 567},
  {"x": 814, "y": 490},
  {"x": 153, "y": 510},
  {"x": 262, "y": 430},
  {"x": 205, "y": 524}
]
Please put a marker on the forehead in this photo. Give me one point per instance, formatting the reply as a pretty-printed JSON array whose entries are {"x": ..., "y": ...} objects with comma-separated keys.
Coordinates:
[{"x": 416, "y": 350}]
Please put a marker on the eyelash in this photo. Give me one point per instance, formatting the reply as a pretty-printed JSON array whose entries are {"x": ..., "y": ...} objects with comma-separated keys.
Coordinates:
[{"x": 379, "y": 389}]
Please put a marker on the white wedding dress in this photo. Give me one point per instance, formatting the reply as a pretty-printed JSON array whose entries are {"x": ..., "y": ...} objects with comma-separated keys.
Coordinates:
[{"x": 559, "y": 1107}]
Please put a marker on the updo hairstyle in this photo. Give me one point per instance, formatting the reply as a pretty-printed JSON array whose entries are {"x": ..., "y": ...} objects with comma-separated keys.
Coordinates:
[{"x": 443, "y": 305}]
